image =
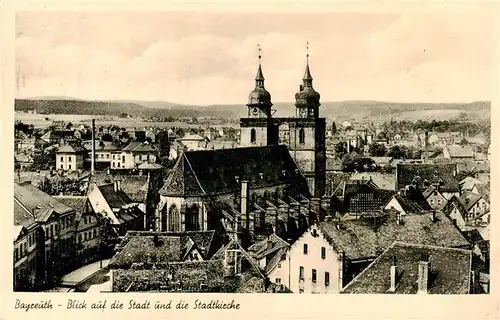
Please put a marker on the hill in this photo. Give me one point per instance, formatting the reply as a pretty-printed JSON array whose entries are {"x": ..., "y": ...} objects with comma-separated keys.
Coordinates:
[{"x": 374, "y": 111}]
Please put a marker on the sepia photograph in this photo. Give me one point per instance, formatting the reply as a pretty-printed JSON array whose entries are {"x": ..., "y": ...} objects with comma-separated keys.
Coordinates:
[{"x": 253, "y": 152}]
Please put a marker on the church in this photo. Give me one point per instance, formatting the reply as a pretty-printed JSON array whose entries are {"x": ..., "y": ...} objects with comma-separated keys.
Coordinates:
[{"x": 267, "y": 185}]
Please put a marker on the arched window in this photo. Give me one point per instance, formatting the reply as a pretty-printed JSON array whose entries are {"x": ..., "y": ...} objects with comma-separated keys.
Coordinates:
[
  {"x": 192, "y": 220},
  {"x": 302, "y": 136},
  {"x": 253, "y": 136},
  {"x": 164, "y": 218},
  {"x": 174, "y": 219}
]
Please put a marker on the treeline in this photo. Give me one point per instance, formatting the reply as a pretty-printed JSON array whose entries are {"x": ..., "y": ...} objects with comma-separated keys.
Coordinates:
[
  {"x": 118, "y": 109},
  {"x": 458, "y": 125}
]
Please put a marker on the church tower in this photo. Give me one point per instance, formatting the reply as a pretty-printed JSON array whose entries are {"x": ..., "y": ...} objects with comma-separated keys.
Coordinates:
[
  {"x": 257, "y": 128},
  {"x": 307, "y": 135}
]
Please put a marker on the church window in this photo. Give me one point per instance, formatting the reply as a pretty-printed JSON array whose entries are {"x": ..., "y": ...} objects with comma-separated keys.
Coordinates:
[
  {"x": 174, "y": 219},
  {"x": 302, "y": 136},
  {"x": 253, "y": 136}
]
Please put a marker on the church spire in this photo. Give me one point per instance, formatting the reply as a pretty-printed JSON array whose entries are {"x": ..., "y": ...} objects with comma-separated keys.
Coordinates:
[
  {"x": 259, "y": 78},
  {"x": 307, "y": 74}
]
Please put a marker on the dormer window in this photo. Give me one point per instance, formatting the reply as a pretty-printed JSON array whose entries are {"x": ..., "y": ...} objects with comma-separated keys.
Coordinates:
[
  {"x": 261, "y": 175},
  {"x": 237, "y": 178}
]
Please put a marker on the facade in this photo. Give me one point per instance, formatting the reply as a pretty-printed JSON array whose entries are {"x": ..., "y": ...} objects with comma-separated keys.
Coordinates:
[
  {"x": 306, "y": 131},
  {"x": 57, "y": 222},
  {"x": 435, "y": 198},
  {"x": 69, "y": 158},
  {"x": 259, "y": 188},
  {"x": 111, "y": 202}
]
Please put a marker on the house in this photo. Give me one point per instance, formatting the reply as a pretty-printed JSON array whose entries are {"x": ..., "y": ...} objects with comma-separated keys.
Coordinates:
[
  {"x": 164, "y": 263},
  {"x": 89, "y": 229},
  {"x": 27, "y": 247},
  {"x": 112, "y": 203},
  {"x": 408, "y": 201},
  {"x": 456, "y": 211},
  {"x": 382, "y": 162},
  {"x": 406, "y": 268},
  {"x": 103, "y": 153},
  {"x": 331, "y": 253},
  {"x": 132, "y": 155},
  {"x": 470, "y": 184},
  {"x": 58, "y": 224},
  {"x": 358, "y": 197},
  {"x": 268, "y": 253},
  {"x": 475, "y": 204},
  {"x": 435, "y": 198},
  {"x": 193, "y": 142},
  {"x": 69, "y": 158},
  {"x": 458, "y": 152},
  {"x": 22, "y": 161},
  {"x": 27, "y": 144},
  {"x": 425, "y": 175},
  {"x": 384, "y": 181}
]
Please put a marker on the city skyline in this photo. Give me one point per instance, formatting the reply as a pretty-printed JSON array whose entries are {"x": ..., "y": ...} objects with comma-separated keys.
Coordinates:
[{"x": 410, "y": 57}]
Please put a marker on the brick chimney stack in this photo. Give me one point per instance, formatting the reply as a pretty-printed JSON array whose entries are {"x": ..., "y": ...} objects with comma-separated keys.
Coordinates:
[
  {"x": 423, "y": 275},
  {"x": 394, "y": 274}
]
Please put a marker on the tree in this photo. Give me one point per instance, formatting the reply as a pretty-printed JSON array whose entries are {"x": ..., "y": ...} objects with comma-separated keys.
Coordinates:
[
  {"x": 334, "y": 128},
  {"x": 340, "y": 149},
  {"x": 377, "y": 150},
  {"x": 464, "y": 142},
  {"x": 396, "y": 152},
  {"x": 107, "y": 137},
  {"x": 356, "y": 162}
]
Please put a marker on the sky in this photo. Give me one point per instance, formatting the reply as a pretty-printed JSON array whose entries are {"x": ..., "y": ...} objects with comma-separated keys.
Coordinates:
[{"x": 211, "y": 58}]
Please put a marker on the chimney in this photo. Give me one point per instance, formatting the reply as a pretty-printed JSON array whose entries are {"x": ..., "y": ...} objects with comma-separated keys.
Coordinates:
[
  {"x": 426, "y": 146},
  {"x": 269, "y": 243},
  {"x": 398, "y": 218},
  {"x": 92, "y": 161},
  {"x": 394, "y": 274},
  {"x": 433, "y": 215},
  {"x": 423, "y": 276}
]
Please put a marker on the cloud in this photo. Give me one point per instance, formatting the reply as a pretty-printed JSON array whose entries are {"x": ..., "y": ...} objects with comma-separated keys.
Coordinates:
[{"x": 212, "y": 58}]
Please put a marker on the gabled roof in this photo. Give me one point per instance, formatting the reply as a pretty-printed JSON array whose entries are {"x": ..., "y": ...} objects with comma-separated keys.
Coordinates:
[
  {"x": 194, "y": 137},
  {"x": 269, "y": 245},
  {"x": 70, "y": 149},
  {"x": 412, "y": 200},
  {"x": 468, "y": 183},
  {"x": 40, "y": 205},
  {"x": 443, "y": 174},
  {"x": 115, "y": 199},
  {"x": 136, "y": 146},
  {"x": 22, "y": 217},
  {"x": 455, "y": 202},
  {"x": 150, "y": 166},
  {"x": 209, "y": 172},
  {"x": 101, "y": 146},
  {"x": 460, "y": 151},
  {"x": 469, "y": 199},
  {"x": 365, "y": 238},
  {"x": 203, "y": 240},
  {"x": 451, "y": 267},
  {"x": 148, "y": 249}
]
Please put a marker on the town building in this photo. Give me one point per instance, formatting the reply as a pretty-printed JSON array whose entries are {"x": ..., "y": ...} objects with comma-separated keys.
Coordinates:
[
  {"x": 111, "y": 202},
  {"x": 57, "y": 222},
  {"x": 70, "y": 157},
  {"x": 458, "y": 152},
  {"x": 406, "y": 268},
  {"x": 443, "y": 176}
]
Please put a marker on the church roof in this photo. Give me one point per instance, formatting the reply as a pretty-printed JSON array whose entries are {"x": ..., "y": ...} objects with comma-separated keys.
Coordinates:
[{"x": 208, "y": 172}]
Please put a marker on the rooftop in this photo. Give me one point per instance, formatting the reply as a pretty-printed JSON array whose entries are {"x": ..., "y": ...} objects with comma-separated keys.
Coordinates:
[
  {"x": 368, "y": 237},
  {"x": 221, "y": 171},
  {"x": 37, "y": 202},
  {"x": 450, "y": 271},
  {"x": 423, "y": 175},
  {"x": 457, "y": 151}
]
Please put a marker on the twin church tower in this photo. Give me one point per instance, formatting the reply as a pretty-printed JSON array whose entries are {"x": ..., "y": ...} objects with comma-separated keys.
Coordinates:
[{"x": 304, "y": 134}]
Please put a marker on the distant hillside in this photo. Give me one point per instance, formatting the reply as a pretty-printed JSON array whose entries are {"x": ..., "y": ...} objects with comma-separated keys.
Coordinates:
[
  {"x": 116, "y": 108},
  {"x": 345, "y": 110}
]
